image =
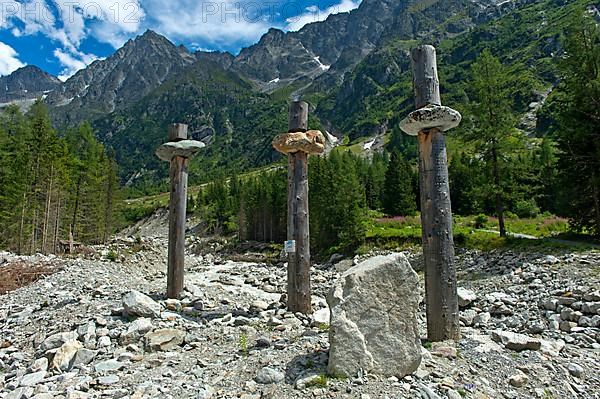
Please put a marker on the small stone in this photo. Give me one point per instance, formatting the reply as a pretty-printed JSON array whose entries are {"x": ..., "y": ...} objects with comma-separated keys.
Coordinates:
[
  {"x": 518, "y": 380},
  {"x": 444, "y": 349},
  {"x": 241, "y": 321},
  {"x": 259, "y": 306},
  {"x": 268, "y": 375},
  {"x": 551, "y": 260},
  {"x": 84, "y": 356},
  {"x": 57, "y": 340},
  {"x": 108, "y": 380},
  {"x": 575, "y": 370},
  {"x": 482, "y": 319},
  {"x": 136, "y": 330},
  {"x": 592, "y": 296},
  {"x": 164, "y": 339},
  {"x": 321, "y": 316},
  {"x": 40, "y": 364},
  {"x": 137, "y": 304},
  {"x": 465, "y": 297},
  {"x": 206, "y": 392},
  {"x": 567, "y": 326},
  {"x": 63, "y": 358},
  {"x": 33, "y": 379},
  {"x": 108, "y": 365},
  {"x": 263, "y": 342},
  {"x": 516, "y": 342},
  {"x": 467, "y": 317}
]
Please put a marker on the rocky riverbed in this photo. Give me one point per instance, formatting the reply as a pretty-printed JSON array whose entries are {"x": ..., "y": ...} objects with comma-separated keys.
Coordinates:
[{"x": 101, "y": 328}]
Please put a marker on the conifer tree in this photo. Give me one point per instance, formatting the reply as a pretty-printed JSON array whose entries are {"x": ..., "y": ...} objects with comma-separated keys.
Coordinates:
[
  {"x": 493, "y": 120},
  {"x": 578, "y": 116},
  {"x": 399, "y": 197}
]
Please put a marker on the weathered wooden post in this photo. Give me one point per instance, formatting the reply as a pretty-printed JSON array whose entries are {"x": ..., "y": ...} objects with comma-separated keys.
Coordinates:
[
  {"x": 429, "y": 122},
  {"x": 298, "y": 143},
  {"x": 177, "y": 151}
]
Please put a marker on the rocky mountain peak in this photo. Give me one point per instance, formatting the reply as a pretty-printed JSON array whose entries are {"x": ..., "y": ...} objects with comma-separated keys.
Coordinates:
[
  {"x": 137, "y": 68},
  {"x": 25, "y": 83}
]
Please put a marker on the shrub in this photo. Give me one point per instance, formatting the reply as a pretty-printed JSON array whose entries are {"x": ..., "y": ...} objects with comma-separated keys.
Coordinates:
[
  {"x": 526, "y": 209},
  {"x": 480, "y": 221}
]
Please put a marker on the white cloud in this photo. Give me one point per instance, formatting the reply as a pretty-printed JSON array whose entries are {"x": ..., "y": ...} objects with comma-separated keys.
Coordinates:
[
  {"x": 216, "y": 23},
  {"x": 72, "y": 62},
  {"x": 69, "y": 22},
  {"x": 8, "y": 60},
  {"x": 314, "y": 14}
]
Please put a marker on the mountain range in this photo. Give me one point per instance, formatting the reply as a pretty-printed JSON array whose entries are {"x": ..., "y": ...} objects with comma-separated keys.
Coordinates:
[{"x": 353, "y": 68}]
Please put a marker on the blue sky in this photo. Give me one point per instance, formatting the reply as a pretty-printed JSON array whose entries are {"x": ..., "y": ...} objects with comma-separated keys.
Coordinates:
[{"x": 63, "y": 36}]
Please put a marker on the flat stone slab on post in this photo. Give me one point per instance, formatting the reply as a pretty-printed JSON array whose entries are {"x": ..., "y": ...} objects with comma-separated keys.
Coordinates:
[
  {"x": 177, "y": 151},
  {"x": 310, "y": 142},
  {"x": 430, "y": 117},
  {"x": 184, "y": 148},
  {"x": 374, "y": 326}
]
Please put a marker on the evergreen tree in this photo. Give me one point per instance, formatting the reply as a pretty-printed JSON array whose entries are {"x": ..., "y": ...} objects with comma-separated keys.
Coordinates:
[
  {"x": 337, "y": 201},
  {"x": 493, "y": 133},
  {"x": 399, "y": 197},
  {"x": 578, "y": 116},
  {"x": 464, "y": 173}
]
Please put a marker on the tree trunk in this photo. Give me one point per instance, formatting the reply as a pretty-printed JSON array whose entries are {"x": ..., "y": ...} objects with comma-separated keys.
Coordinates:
[
  {"x": 57, "y": 224},
  {"x": 22, "y": 224},
  {"x": 438, "y": 242},
  {"x": 47, "y": 211},
  {"x": 596, "y": 195},
  {"x": 177, "y": 216},
  {"x": 76, "y": 207},
  {"x": 499, "y": 201},
  {"x": 299, "y": 290}
]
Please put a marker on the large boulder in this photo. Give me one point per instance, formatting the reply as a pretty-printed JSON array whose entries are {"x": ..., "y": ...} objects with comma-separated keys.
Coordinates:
[{"x": 373, "y": 323}]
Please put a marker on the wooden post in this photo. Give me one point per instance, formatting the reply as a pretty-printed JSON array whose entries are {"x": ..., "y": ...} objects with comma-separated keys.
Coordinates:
[
  {"x": 298, "y": 291},
  {"x": 436, "y": 213},
  {"x": 178, "y": 173}
]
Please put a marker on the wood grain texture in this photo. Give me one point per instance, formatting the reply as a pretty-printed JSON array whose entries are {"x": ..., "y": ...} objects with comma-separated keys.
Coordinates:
[
  {"x": 436, "y": 212},
  {"x": 177, "y": 216},
  {"x": 425, "y": 77},
  {"x": 298, "y": 289},
  {"x": 298, "y": 117}
]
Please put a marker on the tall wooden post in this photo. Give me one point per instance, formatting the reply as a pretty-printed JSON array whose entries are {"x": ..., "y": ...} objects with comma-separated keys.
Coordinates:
[
  {"x": 299, "y": 291},
  {"x": 178, "y": 172},
  {"x": 177, "y": 152},
  {"x": 429, "y": 122},
  {"x": 298, "y": 143}
]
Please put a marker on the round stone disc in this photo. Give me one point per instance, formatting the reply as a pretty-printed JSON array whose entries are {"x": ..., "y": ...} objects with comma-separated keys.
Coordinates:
[
  {"x": 184, "y": 148},
  {"x": 430, "y": 117}
]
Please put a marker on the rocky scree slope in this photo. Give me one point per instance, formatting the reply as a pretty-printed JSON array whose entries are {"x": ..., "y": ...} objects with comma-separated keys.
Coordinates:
[{"x": 101, "y": 329}]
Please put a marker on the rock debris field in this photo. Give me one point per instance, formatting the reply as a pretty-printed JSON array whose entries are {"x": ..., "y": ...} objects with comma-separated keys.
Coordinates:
[{"x": 530, "y": 327}]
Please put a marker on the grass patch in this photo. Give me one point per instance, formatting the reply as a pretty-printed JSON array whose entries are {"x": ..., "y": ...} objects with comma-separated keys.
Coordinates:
[
  {"x": 320, "y": 382},
  {"x": 243, "y": 344},
  {"x": 544, "y": 232}
]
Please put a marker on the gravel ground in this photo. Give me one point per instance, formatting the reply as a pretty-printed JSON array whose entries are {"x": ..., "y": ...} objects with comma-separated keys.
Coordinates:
[{"x": 230, "y": 336}]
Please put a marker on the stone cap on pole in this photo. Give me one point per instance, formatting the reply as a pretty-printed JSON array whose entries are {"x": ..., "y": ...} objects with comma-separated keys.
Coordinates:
[
  {"x": 178, "y": 144},
  {"x": 299, "y": 138}
]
